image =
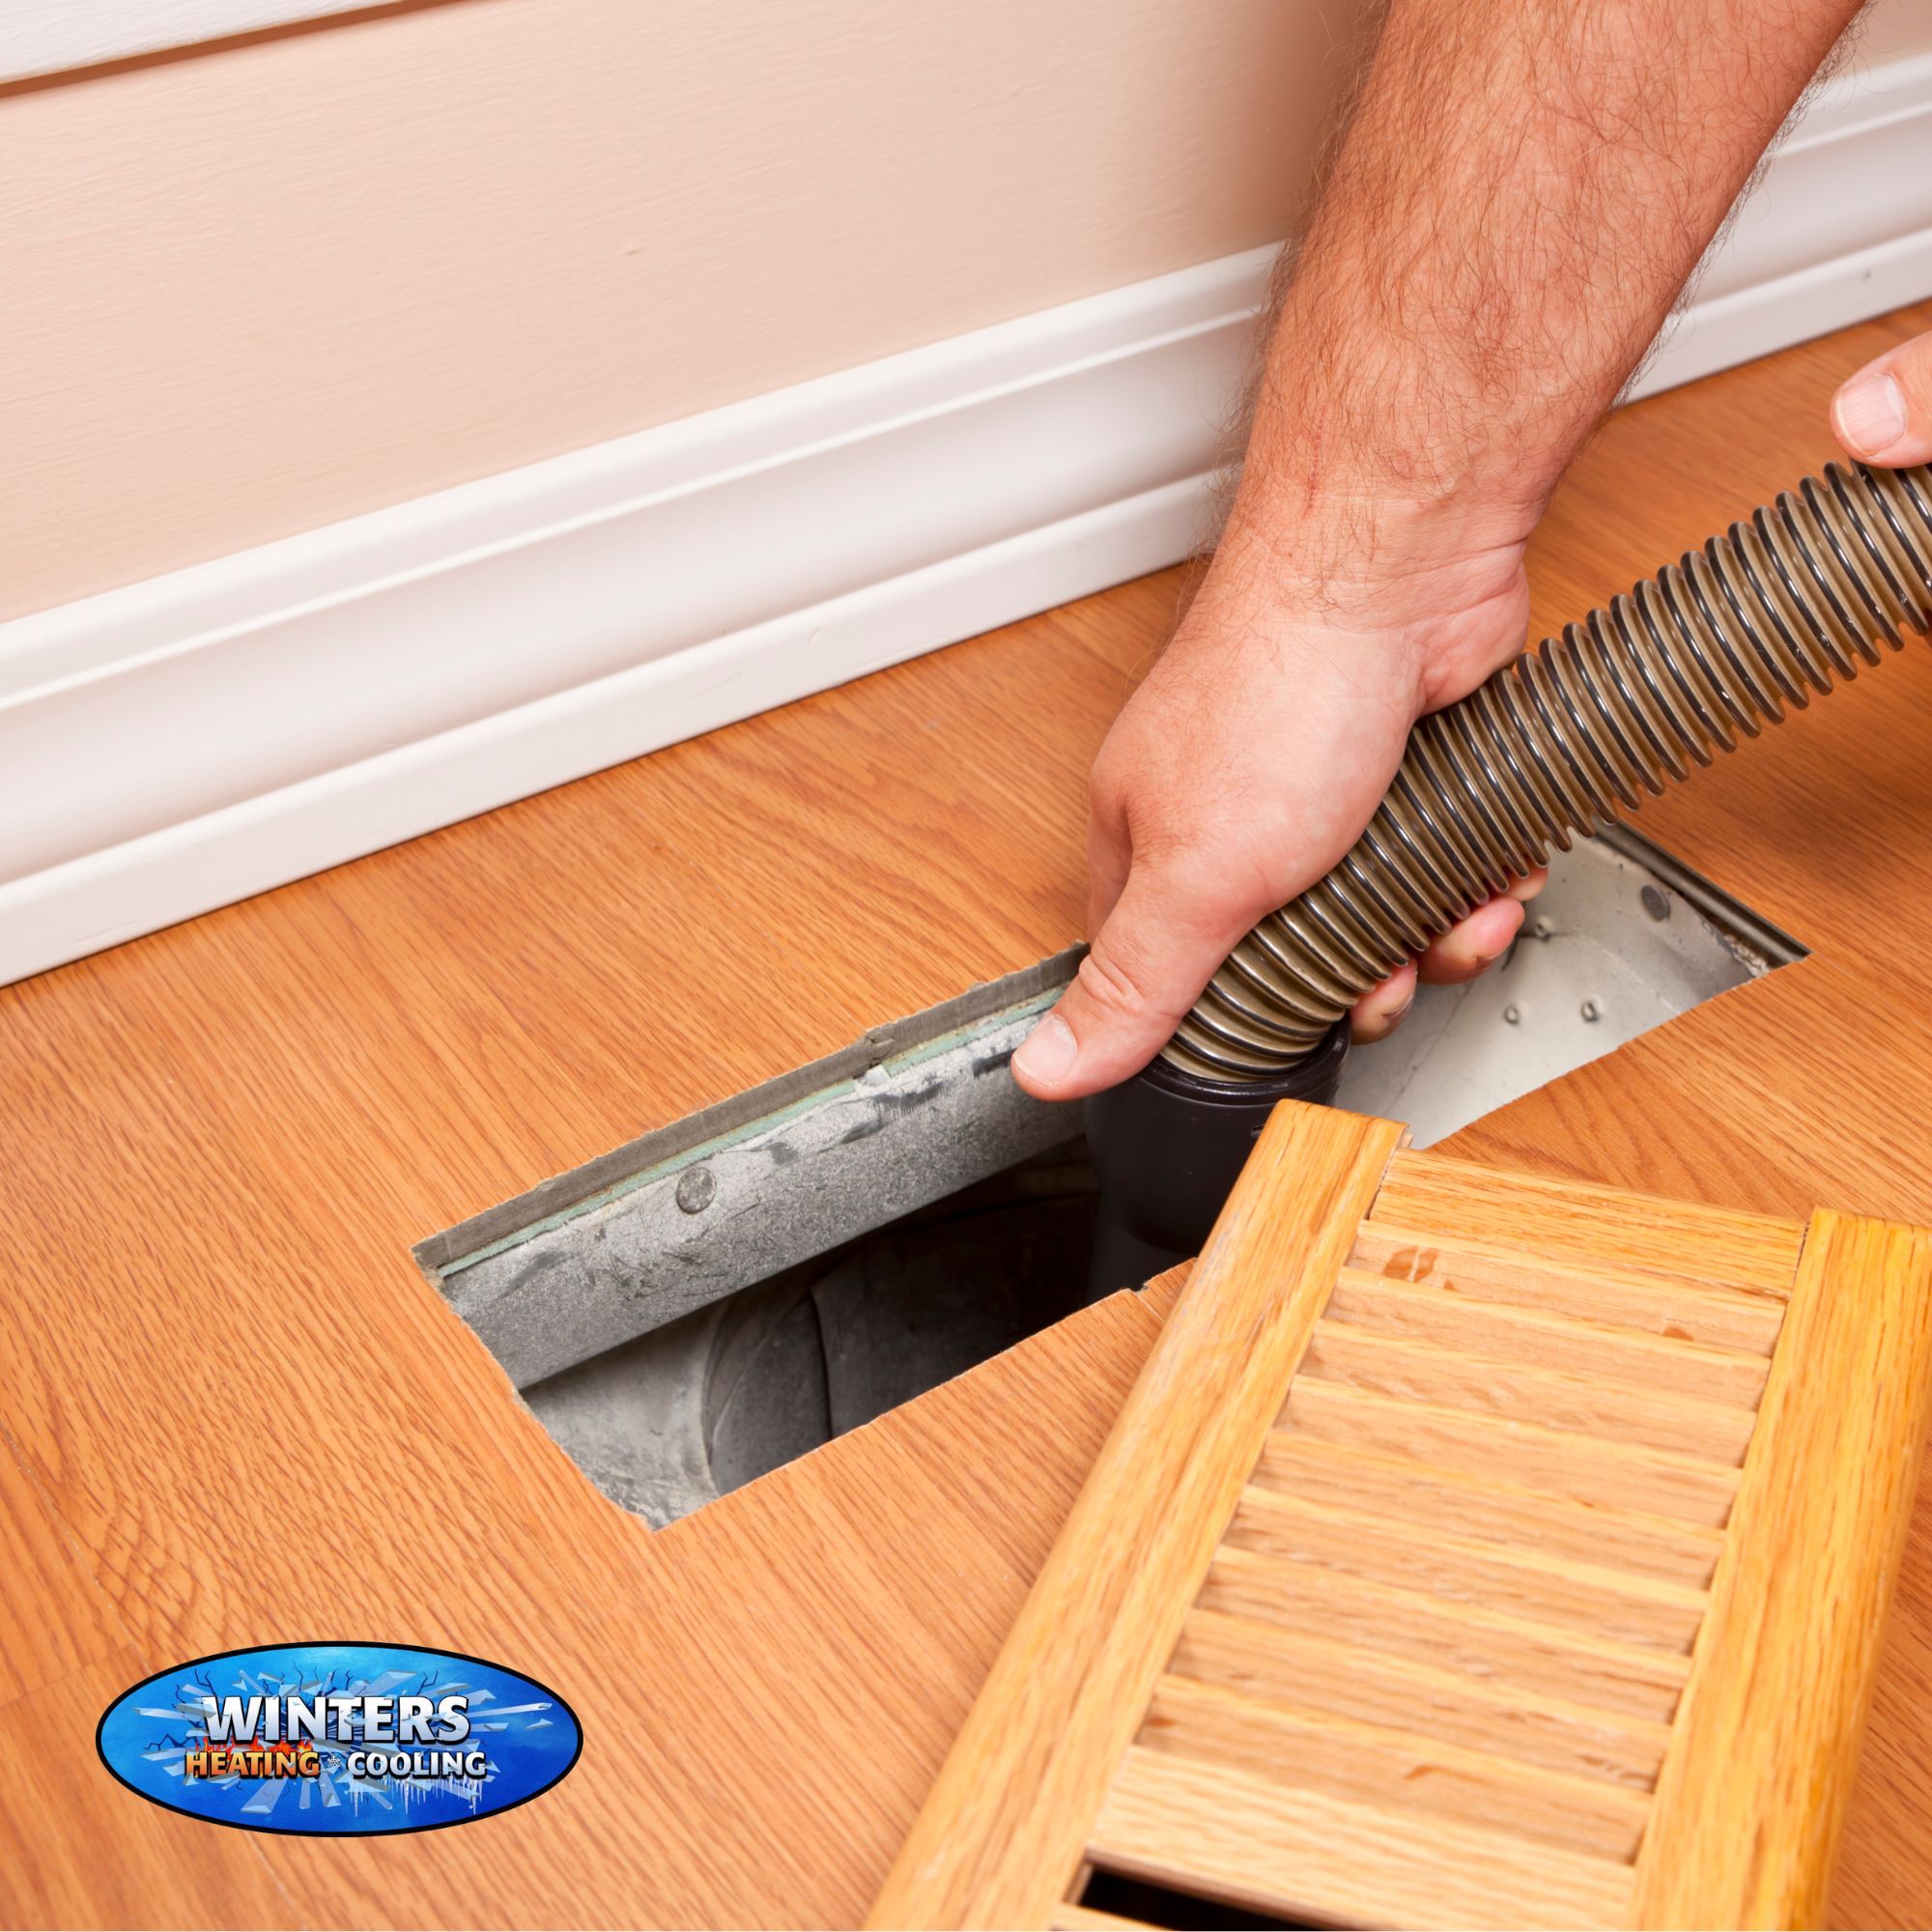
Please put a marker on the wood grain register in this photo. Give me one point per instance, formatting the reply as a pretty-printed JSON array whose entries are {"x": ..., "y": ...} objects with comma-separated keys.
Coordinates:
[{"x": 1473, "y": 1549}]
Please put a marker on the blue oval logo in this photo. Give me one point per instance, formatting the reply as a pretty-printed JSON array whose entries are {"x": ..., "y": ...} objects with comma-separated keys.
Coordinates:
[{"x": 339, "y": 1740}]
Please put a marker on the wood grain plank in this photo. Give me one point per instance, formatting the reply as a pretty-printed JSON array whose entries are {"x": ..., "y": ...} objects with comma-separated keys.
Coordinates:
[
  {"x": 85, "y": 1849},
  {"x": 1884, "y": 1819},
  {"x": 1594, "y": 1226},
  {"x": 1476, "y": 1642},
  {"x": 1334, "y": 1675},
  {"x": 1742, "y": 1320},
  {"x": 1071, "y": 1918},
  {"x": 1586, "y": 1469},
  {"x": 1586, "y": 1597},
  {"x": 1397, "y": 1769},
  {"x": 1752, "y": 1795},
  {"x": 1487, "y": 1509},
  {"x": 1226, "y": 1834},
  {"x": 1001, "y": 1835},
  {"x": 1541, "y": 1339},
  {"x": 1553, "y": 1399},
  {"x": 1164, "y": 1289},
  {"x": 46, "y": 1563}
]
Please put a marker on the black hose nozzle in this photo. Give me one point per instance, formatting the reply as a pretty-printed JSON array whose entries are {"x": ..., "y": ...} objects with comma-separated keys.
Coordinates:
[{"x": 1168, "y": 1147}]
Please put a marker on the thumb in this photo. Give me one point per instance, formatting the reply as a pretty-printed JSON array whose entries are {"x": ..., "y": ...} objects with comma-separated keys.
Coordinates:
[
  {"x": 1148, "y": 964},
  {"x": 1883, "y": 413}
]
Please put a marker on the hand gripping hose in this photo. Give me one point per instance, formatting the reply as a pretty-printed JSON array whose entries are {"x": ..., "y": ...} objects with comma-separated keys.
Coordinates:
[{"x": 1579, "y": 730}]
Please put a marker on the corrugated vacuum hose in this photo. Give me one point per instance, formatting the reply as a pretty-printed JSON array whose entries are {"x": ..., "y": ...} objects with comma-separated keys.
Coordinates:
[{"x": 1709, "y": 650}]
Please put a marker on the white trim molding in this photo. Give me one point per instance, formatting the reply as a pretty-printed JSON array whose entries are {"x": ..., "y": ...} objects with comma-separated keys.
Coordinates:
[
  {"x": 40, "y": 37},
  {"x": 189, "y": 741}
]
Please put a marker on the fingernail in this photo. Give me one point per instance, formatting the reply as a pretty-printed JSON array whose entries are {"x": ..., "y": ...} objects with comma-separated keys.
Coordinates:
[
  {"x": 1048, "y": 1052},
  {"x": 1869, "y": 413}
]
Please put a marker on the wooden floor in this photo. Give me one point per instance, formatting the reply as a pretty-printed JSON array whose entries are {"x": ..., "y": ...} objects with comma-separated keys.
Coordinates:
[{"x": 233, "y": 1412}]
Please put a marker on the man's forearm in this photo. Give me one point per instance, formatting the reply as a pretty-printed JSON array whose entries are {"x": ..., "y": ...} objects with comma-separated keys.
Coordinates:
[
  {"x": 1514, "y": 207},
  {"x": 1510, "y": 214}
]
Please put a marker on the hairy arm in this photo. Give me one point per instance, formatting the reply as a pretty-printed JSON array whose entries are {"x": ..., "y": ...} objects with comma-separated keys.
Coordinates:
[{"x": 1513, "y": 206}]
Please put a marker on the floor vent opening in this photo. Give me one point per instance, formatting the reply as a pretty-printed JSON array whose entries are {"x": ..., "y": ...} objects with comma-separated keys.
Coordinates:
[{"x": 700, "y": 1306}]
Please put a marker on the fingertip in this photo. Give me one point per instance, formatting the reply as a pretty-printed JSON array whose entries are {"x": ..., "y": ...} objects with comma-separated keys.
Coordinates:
[
  {"x": 1085, "y": 1044},
  {"x": 1381, "y": 1010},
  {"x": 1479, "y": 941},
  {"x": 1529, "y": 885},
  {"x": 1047, "y": 1057},
  {"x": 1869, "y": 415}
]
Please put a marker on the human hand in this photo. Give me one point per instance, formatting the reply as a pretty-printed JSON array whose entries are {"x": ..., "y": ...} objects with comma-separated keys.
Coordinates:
[
  {"x": 1252, "y": 757},
  {"x": 1883, "y": 413}
]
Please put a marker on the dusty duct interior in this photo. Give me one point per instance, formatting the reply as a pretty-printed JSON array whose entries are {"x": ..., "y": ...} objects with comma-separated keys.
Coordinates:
[{"x": 700, "y": 1307}]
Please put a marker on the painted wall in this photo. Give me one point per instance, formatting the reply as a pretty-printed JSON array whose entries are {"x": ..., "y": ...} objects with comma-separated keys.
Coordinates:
[{"x": 255, "y": 288}]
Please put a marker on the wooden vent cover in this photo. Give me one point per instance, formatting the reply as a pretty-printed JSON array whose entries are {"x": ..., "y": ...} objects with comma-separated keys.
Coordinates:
[{"x": 1473, "y": 1549}]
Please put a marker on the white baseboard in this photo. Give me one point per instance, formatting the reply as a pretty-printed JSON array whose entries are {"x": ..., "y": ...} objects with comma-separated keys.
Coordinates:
[
  {"x": 202, "y": 736},
  {"x": 57, "y": 36}
]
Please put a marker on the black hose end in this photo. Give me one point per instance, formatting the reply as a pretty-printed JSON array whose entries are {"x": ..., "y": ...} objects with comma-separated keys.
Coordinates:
[{"x": 1168, "y": 1147}]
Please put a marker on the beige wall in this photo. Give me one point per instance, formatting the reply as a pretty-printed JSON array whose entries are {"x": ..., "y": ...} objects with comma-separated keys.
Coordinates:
[{"x": 259, "y": 288}]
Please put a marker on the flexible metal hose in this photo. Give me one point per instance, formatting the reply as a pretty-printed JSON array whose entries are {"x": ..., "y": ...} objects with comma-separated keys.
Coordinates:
[{"x": 1576, "y": 731}]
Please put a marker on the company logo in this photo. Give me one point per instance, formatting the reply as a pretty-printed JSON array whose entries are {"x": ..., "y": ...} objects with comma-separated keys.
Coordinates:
[{"x": 339, "y": 1739}]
